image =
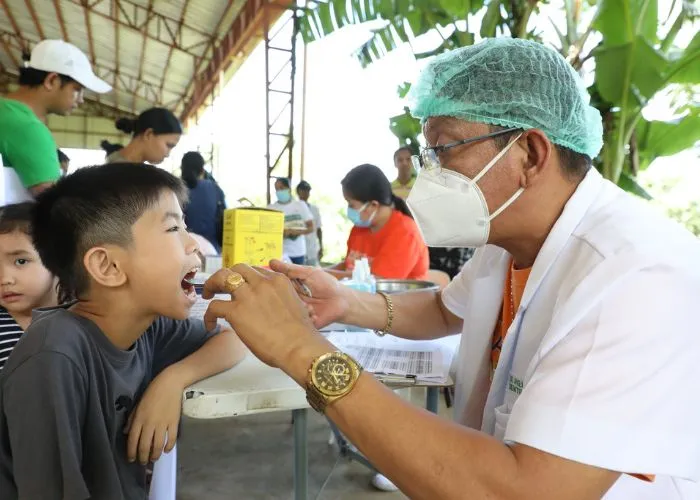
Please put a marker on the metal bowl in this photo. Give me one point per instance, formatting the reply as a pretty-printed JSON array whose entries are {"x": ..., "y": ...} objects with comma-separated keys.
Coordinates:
[{"x": 404, "y": 286}]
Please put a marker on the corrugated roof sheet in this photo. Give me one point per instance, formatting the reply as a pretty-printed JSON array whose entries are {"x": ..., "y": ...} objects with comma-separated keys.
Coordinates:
[{"x": 161, "y": 43}]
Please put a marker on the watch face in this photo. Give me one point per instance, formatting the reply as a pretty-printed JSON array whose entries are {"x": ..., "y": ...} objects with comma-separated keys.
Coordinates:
[{"x": 332, "y": 375}]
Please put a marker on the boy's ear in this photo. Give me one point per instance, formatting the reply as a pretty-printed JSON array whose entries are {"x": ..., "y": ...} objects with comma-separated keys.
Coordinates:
[{"x": 104, "y": 266}]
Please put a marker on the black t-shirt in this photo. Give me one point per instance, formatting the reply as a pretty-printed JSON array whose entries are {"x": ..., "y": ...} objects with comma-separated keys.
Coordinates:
[{"x": 65, "y": 396}]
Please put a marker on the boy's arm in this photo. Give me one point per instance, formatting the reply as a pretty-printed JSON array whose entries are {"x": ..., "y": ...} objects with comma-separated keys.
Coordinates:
[
  {"x": 220, "y": 352},
  {"x": 178, "y": 340},
  {"x": 184, "y": 353},
  {"x": 43, "y": 401}
]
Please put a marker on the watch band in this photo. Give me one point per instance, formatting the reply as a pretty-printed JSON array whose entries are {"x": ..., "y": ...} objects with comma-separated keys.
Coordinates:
[{"x": 319, "y": 401}]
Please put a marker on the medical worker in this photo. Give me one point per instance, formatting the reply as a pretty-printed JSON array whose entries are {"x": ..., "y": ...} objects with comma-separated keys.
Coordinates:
[{"x": 577, "y": 369}]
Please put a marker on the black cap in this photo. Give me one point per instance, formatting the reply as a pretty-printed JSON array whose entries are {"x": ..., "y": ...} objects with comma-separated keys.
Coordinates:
[{"x": 304, "y": 186}]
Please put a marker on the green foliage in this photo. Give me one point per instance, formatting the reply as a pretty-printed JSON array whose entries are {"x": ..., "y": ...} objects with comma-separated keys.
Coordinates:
[{"x": 632, "y": 63}]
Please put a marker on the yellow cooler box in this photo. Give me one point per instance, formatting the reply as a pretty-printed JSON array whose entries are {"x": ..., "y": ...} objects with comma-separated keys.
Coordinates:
[{"x": 252, "y": 236}]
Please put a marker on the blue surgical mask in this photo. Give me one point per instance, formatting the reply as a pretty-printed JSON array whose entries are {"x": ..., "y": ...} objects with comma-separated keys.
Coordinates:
[
  {"x": 354, "y": 217},
  {"x": 284, "y": 196}
]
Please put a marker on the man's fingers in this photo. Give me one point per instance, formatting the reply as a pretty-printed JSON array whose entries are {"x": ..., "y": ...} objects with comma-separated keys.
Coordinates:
[
  {"x": 293, "y": 271},
  {"x": 217, "y": 309},
  {"x": 216, "y": 283},
  {"x": 250, "y": 275}
]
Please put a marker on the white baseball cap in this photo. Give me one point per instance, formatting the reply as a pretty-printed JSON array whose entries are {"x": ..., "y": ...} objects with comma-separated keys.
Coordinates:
[{"x": 57, "y": 56}]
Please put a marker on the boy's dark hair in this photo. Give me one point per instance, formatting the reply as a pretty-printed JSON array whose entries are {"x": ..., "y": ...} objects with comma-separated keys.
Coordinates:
[
  {"x": 94, "y": 206},
  {"x": 17, "y": 217},
  {"x": 62, "y": 157},
  {"x": 30, "y": 77}
]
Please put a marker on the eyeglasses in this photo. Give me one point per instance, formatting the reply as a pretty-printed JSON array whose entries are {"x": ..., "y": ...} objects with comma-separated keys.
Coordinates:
[{"x": 428, "y": 157}]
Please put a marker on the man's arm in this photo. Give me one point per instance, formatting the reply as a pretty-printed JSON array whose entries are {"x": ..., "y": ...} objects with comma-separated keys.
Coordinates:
[
  {"x": 418, "y": 315},
  {"x": 443, "y": 459},
  {"x": 44, "y": 402}
]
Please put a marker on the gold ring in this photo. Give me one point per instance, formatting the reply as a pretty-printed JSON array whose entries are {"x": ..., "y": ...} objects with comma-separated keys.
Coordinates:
[{"x": 233, "y": 282}]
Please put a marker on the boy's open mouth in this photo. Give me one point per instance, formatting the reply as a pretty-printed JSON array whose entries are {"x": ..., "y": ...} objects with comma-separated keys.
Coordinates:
[{"x": 187, "y": 283}]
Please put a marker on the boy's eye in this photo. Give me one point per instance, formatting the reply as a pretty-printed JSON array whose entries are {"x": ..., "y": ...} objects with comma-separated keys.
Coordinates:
[
  {"x": 21, "y": 262},
  {"x": 174, "y": 229}
]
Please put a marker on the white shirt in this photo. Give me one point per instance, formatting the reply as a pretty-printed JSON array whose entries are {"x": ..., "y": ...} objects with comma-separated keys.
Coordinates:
[
  {"x": 11, "y": 188},
  {"x": 600, "y": 363},
  {"x": 293, "y": 211},
  {"x": 312, "y": 244}
]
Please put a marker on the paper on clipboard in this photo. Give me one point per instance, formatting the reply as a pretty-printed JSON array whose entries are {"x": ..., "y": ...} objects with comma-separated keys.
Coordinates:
[{"x": 394, "y": 357}]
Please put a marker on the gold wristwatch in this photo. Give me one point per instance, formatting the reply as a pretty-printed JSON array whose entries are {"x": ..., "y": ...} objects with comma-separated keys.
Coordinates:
[{"x": 331, "y": 376}]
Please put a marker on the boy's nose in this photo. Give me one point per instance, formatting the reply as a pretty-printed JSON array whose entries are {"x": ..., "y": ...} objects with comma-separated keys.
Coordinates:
[{"x": 192, "y": 246}]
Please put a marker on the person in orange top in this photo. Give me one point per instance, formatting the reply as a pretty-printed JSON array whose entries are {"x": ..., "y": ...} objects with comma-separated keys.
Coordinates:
[{"x": 384, "y": 230}]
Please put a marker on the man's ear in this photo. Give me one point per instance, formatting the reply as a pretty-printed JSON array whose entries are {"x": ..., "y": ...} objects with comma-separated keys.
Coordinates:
[
  {"x": 539, "y": 151},
  {"x": 104, "y": 265},
  {"x": 52, "y": 81}
]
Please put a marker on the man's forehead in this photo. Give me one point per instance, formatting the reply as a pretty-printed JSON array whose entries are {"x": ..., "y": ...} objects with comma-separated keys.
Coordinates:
[{"x": 436, "y": 125}]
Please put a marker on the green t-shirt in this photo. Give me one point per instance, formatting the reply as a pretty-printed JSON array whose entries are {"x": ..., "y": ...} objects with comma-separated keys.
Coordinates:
[{"x": 26, "y": 144}]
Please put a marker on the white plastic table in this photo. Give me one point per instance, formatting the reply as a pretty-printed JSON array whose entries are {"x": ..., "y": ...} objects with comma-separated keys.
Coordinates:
[{"x": 253, "y": 387}]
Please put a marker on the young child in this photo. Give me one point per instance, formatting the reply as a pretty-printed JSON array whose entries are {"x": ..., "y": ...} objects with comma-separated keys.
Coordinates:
[
  {"x": 25, "y": 283},
  {"x": 93, "y": 391}
]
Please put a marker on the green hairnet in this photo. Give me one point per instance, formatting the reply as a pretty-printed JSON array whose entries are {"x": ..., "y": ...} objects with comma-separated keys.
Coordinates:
[{"x": 511, "y": 83}]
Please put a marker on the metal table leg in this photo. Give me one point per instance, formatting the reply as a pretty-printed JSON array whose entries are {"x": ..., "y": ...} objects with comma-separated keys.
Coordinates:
[
  {"x": 301, "y": 455},
  {"x": 431, "y": 399}
]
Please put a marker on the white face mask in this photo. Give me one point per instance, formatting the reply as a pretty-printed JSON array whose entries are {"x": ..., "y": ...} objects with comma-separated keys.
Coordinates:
[{"x": 450, "y": 209}]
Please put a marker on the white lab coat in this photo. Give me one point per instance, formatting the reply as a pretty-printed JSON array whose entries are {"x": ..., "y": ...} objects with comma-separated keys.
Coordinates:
[{"x": 600, "y": 363}]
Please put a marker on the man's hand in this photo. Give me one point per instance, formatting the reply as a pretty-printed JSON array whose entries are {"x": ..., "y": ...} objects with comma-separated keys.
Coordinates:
[
  {"x": 268, "y": 317},
  {"x": 330, "y": 299},
  {"x": 154, "y": 422}
]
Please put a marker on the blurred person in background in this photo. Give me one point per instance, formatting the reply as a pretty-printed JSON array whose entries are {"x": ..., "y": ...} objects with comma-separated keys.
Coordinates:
[
  {"x": 384, "y": 231},
  {"x": 314, "y": 240},
  {"x": 407, "y": 174},
  {"x": 109, "y": 147},
  {"x": 204, "y": 211},
  {"x": 298, "y": 221},
  {"x": 64, "y": 162},
  {"x": 155, "y": 133}
]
